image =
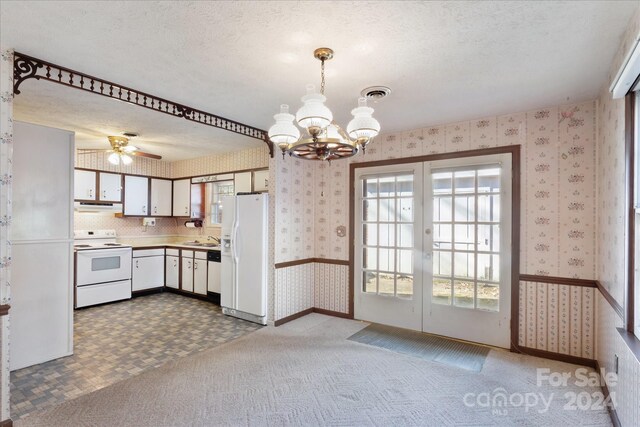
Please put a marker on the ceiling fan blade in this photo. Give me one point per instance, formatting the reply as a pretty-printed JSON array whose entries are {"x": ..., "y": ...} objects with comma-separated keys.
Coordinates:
[
  {"x": 143, "y": 154},
  {"x": 91, "y": 150}
]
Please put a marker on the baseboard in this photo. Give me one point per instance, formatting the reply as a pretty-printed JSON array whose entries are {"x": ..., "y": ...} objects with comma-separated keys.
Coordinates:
[
  {"x": 146, "y": 292},
  {"x": 556, "y": 356},
  {"x": 293, "y": 317},
  {"x": 6, "y": 423},
  {"x": 332, "y": 313},
  {"x": 187, "y": 294},
  {"x": 309, "y": 311},
  {"x": 612, "y": 411}
]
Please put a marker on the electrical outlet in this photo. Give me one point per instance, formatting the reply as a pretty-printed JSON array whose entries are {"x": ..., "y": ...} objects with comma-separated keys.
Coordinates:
[{"x": 149, "y": 222}]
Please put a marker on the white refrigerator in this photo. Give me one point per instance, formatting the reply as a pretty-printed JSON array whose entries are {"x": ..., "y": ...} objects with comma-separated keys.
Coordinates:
[
  {"x": 244, "y": 251},
  {"x": 42, "y": 242}
]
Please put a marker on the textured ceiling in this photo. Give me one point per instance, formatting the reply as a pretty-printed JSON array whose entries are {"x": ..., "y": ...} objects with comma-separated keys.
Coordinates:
[{"x": 444, "y": 61}]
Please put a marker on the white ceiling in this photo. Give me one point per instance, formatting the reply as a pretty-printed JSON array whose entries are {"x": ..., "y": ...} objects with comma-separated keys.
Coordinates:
[{"x": 444, "y": 61}]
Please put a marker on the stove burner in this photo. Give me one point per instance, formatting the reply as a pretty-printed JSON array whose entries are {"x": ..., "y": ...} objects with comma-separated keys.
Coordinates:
[{"x": 81, "y": 246}]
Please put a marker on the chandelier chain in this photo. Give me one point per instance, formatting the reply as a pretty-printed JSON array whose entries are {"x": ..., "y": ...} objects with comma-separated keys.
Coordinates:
[{"x": 322, "y": 75}]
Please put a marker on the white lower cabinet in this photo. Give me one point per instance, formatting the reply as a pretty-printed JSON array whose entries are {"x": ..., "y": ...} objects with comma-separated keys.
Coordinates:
[
  {"x": 200, "y": 274},
  {"x": 148, "y": 269},
  {"x": 186, "y": 284},
  {"x": 172, "y": 271}
]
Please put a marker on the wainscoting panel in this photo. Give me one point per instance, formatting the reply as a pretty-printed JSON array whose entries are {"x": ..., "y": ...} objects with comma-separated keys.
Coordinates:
[
  {"x": 294, "y": 290},
  {"x": 558, "y": 318},
  {"x": 626, "y": 390},
  {"x": 332, "y": 287}
]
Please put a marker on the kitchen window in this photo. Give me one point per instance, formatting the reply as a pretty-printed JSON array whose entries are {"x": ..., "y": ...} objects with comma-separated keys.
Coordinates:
[{"x": 214, "y": 192}]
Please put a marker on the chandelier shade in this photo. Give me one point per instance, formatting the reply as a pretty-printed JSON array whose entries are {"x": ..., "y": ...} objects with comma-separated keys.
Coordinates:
[{"x": 325, "y": 140}]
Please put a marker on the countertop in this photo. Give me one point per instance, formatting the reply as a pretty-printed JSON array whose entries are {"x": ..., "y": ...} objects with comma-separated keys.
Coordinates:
[{"x": 172, "y": 242}]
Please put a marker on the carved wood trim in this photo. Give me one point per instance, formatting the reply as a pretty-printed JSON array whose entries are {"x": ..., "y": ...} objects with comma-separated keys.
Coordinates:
[{"x": 27, "y": 67}]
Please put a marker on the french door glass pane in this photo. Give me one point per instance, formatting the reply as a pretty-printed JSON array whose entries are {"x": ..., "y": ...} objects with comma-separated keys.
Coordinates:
[
  {"x": 387, "y": 214},
  {"x": 370, "y": 258},
  {"x": 405, "y": 236},
  {"x": 464, "y": 181},
  {"x": 442, "y": 209},
  {"x": 466, "y": 237},
  {"x": 488, "y": 296},
  {"x": 463, "y": 294},
  {"x": 404, "y": 283},
  {"x": 387, "y": 210},
  {"x": 370, "y": 210},
  {"x": 405, "y": 210},
  {"x": 370, "y": 280},
  {"x": 488, "y": 180},
  {"x": 465, "y": 208},
  {"x": 441, "y": 291},
  {"x": 386, "y": 284},
  {"x": 370, "y": 234},
  {"x": 387, "y": 234}
]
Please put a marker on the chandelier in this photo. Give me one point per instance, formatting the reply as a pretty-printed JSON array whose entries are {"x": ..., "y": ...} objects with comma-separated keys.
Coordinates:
[{"x": 324, "y": 139}]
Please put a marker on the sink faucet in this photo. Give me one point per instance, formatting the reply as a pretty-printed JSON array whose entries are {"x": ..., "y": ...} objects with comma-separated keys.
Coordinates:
[{"x": 215, "y": 239}]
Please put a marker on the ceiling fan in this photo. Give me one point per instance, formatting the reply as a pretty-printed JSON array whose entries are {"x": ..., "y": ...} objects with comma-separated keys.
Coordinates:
[{"x": 121, "y": 151}]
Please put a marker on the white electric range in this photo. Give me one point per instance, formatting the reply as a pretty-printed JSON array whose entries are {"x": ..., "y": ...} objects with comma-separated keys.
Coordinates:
[{"x": 102, "y": 268}]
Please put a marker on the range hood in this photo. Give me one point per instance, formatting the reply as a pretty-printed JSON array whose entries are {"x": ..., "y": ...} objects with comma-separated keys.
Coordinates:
[{"x": 98, "y": 207}]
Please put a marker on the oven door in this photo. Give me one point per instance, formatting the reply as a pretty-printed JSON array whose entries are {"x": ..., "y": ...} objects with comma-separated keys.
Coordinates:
[{"x": 102, "y": 265}]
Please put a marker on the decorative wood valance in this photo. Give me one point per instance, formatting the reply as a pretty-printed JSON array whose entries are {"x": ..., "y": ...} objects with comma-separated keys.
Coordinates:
[{"x": 27, "y": 67}]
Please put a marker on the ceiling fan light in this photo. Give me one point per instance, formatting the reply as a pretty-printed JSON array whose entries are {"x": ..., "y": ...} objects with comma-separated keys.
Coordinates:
[
  {"x": 126, "y": 159},
  {"x": 313, "y": 114},
  {"x": 363, "y": 126},
  {"x": 129, "y": 148},
  {"x": 114, "y": 159}
]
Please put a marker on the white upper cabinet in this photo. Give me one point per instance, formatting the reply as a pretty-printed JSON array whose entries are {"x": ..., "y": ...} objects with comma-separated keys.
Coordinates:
[
  {"x": 261, "y": 180},
  {"x": 84, "y": 185},
  {"x": 136, "y": 195},
  {"x": 242, "y": 182},
  {"x": 160, "y": 197},
  {"x": 110, "y": 187},
  {"x": 182, "y": 197}
]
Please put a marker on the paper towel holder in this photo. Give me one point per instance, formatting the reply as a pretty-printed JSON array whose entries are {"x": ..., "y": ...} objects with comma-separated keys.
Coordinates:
[{"x": 196, "y": 223}]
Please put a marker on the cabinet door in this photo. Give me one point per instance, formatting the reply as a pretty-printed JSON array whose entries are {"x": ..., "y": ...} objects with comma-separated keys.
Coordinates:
[
  {"x": 242, "y": 182},
  {"x": 213, "y": 274},
  {"x": 84, "y": 185},
  {"x": 181, "y": 197},
  {"x": 160, "y": 197},
  {"x": 261, "y": 180},
  {"x": 187, "y": 274},
  {"x": 136, "y": 195},
  {"x": 110, "y": 187},
  {"x": 200, "y": 276},
  {"x": 172, "y": 271},
  {"x": 148, "y": 272}
]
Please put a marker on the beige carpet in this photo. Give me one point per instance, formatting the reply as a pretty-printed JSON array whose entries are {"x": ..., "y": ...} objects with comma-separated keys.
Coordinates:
[{"x": 308, "y": 373}]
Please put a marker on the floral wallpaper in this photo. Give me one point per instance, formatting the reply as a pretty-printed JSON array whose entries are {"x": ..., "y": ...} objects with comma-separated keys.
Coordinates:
[
  {"x": 253, "y": 158},
  {"x": 610, "y": 268},
  {"x": 6, "y": 153},
  {"x": 140, "y": 165}
]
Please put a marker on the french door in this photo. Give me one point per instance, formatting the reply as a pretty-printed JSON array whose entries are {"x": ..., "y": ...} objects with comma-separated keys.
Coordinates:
[{"x": 432, "y": 247}]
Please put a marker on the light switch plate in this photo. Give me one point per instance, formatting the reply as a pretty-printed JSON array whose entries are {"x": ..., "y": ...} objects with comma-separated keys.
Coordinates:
[{"x": 149, "y": 222}]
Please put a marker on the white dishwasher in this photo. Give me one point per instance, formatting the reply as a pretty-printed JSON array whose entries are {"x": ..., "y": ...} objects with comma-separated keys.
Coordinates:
[{"x": 213, "y": 275}]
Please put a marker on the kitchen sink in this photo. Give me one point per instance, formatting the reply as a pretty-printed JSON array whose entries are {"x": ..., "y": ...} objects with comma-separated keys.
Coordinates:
[{"x": 201, "y": 244}]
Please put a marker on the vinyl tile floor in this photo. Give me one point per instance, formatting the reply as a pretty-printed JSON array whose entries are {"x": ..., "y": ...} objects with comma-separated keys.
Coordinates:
[{"x": 116, "y": 341}]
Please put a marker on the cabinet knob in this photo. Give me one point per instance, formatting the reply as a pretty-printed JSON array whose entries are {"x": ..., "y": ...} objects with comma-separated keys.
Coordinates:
[
  {"x": 104, "y": 193},
  {"x": 137, "y": 264},
  {"x": 144, "y": 208},
  {"x": 195, "y": 265},
  {"x": 90, "y": 194}
]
